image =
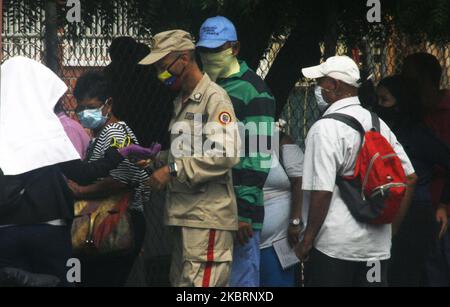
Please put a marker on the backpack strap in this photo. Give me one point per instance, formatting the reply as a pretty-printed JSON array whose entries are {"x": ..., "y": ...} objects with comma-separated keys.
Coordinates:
[
  {"x": 376, "y": 122},
  {"x": 349, "y": 121}
]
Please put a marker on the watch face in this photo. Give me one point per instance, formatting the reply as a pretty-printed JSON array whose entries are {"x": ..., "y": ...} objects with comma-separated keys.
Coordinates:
[
  {"x": 295, "y": 222},
  {"x": 173, "y": 169}
]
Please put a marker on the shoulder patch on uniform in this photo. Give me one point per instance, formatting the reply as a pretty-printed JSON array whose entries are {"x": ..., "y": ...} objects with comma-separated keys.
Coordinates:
[{"x": 225, "y": 118}]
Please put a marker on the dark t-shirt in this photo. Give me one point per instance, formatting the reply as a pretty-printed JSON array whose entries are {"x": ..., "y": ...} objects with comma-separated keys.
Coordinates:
[
  {"x": 426, "y": 151},
  {"x": 47, "y": 196},
  {"x": 439, "y": 122}
]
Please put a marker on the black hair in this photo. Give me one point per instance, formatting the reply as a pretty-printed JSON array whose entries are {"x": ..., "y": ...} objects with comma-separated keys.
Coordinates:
[
  {"x": 126, "y": 50},
  {"x": 121, "y": 46},
  {"x": 137, "y": 93},
  {"x": 366, "y": 92},
  {"x": 141, "y": 51},
  {"x": 92, "y": 85},
  {"x": 59, "y": 107},
  {"x": 426, "y": 65},
  {"x": 409, "y": 104}
]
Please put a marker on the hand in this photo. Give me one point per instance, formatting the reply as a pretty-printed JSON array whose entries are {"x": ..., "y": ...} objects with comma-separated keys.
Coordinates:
[
  {"x": 303, "y": 250},
  {"x": 245, "y": 233},
  {"x": 143, "y": 164},
  {"x": 140, "y": 153},
  {"x": 76, "y": 189},
  {"x": 442, "y": 219},
  {"x": 294, "y": 234},
  {"x": 159, "y": 179}
]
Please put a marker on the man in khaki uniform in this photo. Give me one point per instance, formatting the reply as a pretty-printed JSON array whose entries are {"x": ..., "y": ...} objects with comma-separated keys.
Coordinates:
[{"x": 201, "y": 205}]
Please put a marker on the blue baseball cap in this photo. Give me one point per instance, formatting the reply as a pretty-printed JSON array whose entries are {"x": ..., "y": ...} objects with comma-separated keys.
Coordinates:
[{"x": 216, "y": 31}]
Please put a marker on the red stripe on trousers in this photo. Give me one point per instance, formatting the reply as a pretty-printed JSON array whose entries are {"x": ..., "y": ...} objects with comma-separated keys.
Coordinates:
[{"x": 210, "y": 259}]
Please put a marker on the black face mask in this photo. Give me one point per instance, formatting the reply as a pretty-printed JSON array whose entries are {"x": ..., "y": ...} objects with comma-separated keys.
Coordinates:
[{"x": 390, "y": 115}]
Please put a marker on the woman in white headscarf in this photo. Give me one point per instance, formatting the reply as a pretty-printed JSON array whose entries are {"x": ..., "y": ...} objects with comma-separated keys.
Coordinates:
[{"x": 36, "y": 157}]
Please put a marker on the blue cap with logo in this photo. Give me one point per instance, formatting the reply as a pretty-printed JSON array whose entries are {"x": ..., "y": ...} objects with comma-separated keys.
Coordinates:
[{"x": 216, "y": 31}]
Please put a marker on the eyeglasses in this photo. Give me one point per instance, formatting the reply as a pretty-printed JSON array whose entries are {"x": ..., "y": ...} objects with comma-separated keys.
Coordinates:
[{"x": 173, "y": 63}]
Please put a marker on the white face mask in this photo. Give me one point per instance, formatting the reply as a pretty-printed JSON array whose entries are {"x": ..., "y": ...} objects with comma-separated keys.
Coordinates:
[
  {"x": 323, "y": 105},
  {"x": 220, "y": 65}
]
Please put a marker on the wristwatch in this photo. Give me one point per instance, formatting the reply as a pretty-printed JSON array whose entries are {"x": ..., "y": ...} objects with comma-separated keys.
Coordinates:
[
  {"x": 295, "y": 222},
  {"x": 173, "y": 169}
]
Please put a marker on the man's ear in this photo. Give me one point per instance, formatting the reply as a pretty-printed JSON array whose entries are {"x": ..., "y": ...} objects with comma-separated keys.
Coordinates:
[
  {"x": 336, "y": 84},
  {"x": 185, "y": 58},
  {"x": 236, "y": 48}
]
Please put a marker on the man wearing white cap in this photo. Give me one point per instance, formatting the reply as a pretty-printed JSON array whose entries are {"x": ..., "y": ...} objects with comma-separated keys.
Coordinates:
[{"x": 337, "y": 249}]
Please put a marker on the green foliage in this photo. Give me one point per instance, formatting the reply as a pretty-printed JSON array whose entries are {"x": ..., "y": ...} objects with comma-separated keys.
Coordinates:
[
  {"x": 417, "y": 18},
  {"x": 257, "y": 21},
  {"x": 420, "y": 18}
]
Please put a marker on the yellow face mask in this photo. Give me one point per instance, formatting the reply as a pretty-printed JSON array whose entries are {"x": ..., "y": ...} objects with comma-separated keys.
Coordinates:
[{"x": 220, "y": 65}]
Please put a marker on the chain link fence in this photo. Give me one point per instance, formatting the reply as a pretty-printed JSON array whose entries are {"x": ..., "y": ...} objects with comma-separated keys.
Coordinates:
[
  {"x": 91, "y": 51},
  {"x": 380, "y": 58}
]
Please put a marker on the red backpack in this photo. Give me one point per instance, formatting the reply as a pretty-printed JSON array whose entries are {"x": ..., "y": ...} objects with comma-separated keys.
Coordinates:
[{"x": 375, "y": 191}]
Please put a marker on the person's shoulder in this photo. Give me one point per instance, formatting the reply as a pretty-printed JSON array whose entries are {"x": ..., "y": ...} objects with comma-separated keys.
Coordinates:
[
  {"x": 323, "y": 126},
  {"x": 329, "y": 131},
  {"x": 113, "y": 130},
  {"x": 69, "y": 123},
  {"x": 111, "y": 127},
  {"x": 256, "y": 82},
  {"x": 120, "y": 125},
  {"x": 249, "y": 84},
  {"x": 124, "y": 126},
  {"x": 217, "y": 95},
  {"x": 215, "y": 88},
  {"x": 317, "y": 132}
]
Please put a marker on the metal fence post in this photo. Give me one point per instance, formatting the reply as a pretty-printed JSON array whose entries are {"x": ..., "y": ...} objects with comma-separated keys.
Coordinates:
[{"x": 51, "y": 35}]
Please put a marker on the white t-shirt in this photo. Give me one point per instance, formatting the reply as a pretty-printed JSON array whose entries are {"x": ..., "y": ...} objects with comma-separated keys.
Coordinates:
[
  {"x": 277, "y": 194},
  {"x": 331, "y": 150}
]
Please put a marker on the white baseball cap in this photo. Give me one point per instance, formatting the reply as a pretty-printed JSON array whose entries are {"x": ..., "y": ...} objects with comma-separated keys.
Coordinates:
[{"x": 340, "y": 68}]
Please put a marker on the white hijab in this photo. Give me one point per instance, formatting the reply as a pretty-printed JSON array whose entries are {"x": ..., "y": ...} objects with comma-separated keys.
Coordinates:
[{"x": 31, "y": 135}]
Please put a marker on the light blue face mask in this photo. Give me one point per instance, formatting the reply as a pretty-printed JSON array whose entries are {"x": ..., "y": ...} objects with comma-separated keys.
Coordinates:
[
  {"x": 92, "y": 118},
  {"x": 323, "y": 105}
]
